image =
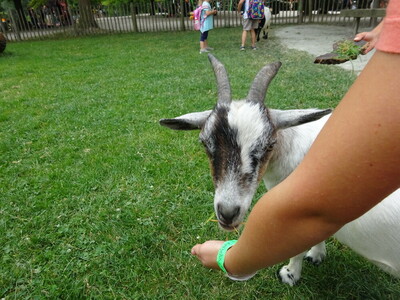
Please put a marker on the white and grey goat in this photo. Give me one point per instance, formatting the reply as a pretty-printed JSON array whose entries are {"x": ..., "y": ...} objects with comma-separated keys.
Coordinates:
[
  {"x": 264, "y": 25},
  {"x": 245, "y": 142}
]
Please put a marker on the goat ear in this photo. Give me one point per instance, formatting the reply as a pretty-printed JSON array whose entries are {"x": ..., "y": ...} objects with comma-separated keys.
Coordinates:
[
  {"x": 191, "y": 121},
  {"x": 288, "y": 118}
]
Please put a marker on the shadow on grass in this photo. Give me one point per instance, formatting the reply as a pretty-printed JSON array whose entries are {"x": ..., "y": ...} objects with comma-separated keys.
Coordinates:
[
  {"x": 6, "y": 54},
  {"x": 344, "y": 274}
]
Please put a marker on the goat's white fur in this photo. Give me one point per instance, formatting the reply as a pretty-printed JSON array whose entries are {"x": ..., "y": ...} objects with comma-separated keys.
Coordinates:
[
  {"x": 291, "y": 147},
  {"x": 248, "y": 130},
  {"x": 375, "y": 235}
]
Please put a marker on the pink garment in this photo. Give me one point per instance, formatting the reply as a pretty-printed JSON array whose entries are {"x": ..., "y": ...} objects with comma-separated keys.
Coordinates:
[{"x": 389, "y": 39}]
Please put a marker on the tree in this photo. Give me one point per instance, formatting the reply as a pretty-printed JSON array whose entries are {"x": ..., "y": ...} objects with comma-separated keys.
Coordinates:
[
  {"x": 19, "y": 16},
  {"x": 86, "y": 19}
]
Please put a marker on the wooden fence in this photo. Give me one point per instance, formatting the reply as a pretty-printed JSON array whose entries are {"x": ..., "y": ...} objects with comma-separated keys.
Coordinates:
[{"x": 170, "y": 15}]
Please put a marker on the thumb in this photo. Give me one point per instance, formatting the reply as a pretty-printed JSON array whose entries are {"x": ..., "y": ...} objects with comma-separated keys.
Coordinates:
[
  {"x": 359, "y": 36},
  {"x": 195, "y": 249}
]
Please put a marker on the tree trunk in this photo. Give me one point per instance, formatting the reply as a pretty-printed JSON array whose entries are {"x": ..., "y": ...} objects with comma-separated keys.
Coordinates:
[
  {"x": 21, "y": 22},
  {"x": 152, "y": 8},
  {"x": 86, "y": 19}
]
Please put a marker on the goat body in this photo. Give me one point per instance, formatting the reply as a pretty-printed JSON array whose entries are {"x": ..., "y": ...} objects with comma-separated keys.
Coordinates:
[
  {"x": 246, "y": 142},
  {"x": 375, "y": 235},
  {"x": 264, "y": 25}
]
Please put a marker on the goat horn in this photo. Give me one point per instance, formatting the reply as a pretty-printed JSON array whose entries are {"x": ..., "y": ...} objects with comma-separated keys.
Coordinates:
[
  {"x": 260, "y": 84},
  {"x": 224, "y": 88}
]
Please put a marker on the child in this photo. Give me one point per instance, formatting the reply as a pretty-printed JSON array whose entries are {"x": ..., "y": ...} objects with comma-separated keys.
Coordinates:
[
  {"x": 207, "y": 23},
  {"x": 249, "y": 25}
]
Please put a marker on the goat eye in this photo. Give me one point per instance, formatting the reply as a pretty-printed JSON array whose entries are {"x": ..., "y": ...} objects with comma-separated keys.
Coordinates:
[{"x": 271, "y": 146}]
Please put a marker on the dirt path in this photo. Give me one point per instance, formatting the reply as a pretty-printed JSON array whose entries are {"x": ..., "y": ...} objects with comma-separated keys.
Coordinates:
[{"x": 318, "y": 40}]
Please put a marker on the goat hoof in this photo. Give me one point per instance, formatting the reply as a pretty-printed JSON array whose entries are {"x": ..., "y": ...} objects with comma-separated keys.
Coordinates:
[
  {"x": 315, "y": 258},
  {"x": 312, "y": 260},
  {"x": 285, "y": 275}
]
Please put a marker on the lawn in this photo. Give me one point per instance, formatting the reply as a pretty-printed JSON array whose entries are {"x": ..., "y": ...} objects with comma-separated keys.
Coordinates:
[{"x": 99, "y": 201}]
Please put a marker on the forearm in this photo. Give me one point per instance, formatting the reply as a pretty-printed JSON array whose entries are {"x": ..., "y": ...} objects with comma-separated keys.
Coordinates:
[
  {"x": 377, "y": 30},
  {"x": 240, "y": 4},
  {"x": 275, "y": 232},
  {"x": 353, "y": 164}
]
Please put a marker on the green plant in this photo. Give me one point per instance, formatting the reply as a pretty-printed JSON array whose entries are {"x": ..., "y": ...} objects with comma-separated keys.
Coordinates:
[{"x": 348, "y": 50}]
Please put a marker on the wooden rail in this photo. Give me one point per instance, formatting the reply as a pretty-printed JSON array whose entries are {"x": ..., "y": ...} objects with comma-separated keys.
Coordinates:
[{"x": 357, "y": 14}]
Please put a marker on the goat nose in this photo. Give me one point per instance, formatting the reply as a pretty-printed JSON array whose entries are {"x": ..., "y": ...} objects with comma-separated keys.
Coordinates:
[{"x": 227, "y": 214}]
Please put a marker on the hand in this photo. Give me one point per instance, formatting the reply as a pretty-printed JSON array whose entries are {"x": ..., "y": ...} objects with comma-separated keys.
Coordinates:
[
  {"x": 370, "y": 37},
  {"x": 207, "y": 253}
]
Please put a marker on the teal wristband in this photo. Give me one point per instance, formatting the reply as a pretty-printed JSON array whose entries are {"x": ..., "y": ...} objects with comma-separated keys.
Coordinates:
[{"x": 222, "y": 252}]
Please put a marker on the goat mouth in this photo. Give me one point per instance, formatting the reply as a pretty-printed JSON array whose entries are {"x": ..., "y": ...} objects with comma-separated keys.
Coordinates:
[{"x": 228, "y": 227}]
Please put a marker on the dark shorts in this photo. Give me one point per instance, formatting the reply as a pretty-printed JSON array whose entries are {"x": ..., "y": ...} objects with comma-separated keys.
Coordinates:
[{"x": 203, "y": 36}]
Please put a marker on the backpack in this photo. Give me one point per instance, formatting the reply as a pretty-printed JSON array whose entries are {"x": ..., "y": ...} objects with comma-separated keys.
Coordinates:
[
  {"x": 256, "y": 9},
  {"x": 197, "y": 22}
]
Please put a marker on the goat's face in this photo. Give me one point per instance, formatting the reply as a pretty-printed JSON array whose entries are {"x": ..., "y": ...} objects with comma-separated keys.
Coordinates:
[{"x": 239, "y": 138}]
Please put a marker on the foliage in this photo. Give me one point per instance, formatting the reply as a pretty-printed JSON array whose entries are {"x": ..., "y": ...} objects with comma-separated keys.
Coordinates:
[
  {"x": 100, "y": 202},
  {"x": 6, "y": 5},
  {"x": 37, "y": 3},
  {"x": 348, "y": 50}
]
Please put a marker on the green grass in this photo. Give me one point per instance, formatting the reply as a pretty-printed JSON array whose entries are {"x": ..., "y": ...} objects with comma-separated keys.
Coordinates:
[{"x": 98, "y": 201}]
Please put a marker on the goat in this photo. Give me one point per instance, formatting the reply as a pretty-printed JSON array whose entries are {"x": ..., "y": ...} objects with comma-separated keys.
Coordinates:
[
  {"x": 264, "y": 25},
  {"x": 246, "y": 141}
]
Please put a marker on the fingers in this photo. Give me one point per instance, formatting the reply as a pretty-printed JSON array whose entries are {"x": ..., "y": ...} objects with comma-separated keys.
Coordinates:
[
  {"x": 360, "y": 36},
  {"x": 195, "y": 249},
  {"x": 369, "y": 38},
  {"x": 368, "y": 47},
  {"x": 207, "y": 253}
]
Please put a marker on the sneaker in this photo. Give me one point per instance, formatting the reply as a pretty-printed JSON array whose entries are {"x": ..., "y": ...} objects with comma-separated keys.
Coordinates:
[
  {"x": 209, "y": 49},
  {"x": 242, "y": 48},
  {"x": 254, "y": 47},
  {"x": 204, "y": 51}
]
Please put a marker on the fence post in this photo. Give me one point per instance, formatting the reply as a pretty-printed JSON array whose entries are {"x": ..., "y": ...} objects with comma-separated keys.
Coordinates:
[
  {"x": 182, "y": 3},
  {"x": 133, "y": 15},
  {"x": 375, "y": 4},
  {"x": 301, "y": 13}
]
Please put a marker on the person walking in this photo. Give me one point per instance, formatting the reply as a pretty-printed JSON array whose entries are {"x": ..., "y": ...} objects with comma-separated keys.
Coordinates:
[{"x": 249, "y": 25}]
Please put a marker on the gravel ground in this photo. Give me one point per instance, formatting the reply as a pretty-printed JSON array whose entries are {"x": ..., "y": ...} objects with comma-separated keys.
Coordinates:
[{"x": 318, "y": 40}]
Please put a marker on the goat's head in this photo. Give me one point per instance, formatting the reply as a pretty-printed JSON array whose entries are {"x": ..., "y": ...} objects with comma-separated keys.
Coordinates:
[{"x": 239, "y": 138}]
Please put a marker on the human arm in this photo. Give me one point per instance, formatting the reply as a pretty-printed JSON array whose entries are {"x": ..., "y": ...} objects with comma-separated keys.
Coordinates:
[
  {"x": 207, "y": 10},
  {"x": 370, "y": 37},
  {"x": 239, "y": 7},
  {"x": 353, "y": 164},
  {"x": 210, "y": 12}
]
